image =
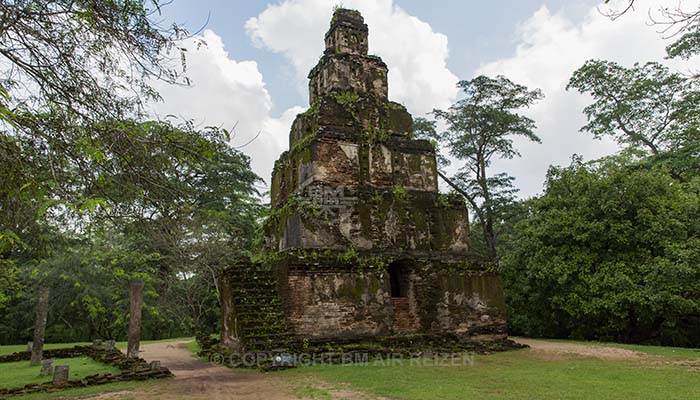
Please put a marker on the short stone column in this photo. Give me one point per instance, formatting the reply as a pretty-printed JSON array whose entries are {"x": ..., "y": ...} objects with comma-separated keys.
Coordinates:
[
  {"x": 154, "y": 365},
  {"x": 46, "y": 367},
  {"x": 60, "y": 375}
]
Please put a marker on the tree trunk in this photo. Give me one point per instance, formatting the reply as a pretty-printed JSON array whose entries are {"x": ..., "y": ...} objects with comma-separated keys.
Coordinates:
[
  {"x": 42, "y": 310},
  {"x": 226, "y": 299},
  {"x": 490, "y": 236},
  {"x": 135, "y": 303}
]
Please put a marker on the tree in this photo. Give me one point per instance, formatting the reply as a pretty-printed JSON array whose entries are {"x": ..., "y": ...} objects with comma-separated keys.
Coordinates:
[
  {"x": 88, "y": 186},
  {"x": 70, "y": 66},
  {"x": 642, "y": 107},
  {"x": 480, "y": 126},
  {"x": 89, "y": 58},
  {"x": 175, "y": 235},
  {"x": 682, "y": 23},
  {"x": 610, "y": 251}
]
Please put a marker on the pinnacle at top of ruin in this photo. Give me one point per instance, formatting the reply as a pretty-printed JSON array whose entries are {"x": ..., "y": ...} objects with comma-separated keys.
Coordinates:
[
  {"x": 345, "y": 65},
  {"x": 347, "y": 34}
]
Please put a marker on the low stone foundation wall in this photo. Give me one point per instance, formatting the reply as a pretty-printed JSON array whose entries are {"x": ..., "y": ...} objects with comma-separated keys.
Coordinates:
[
  {"x": 355, "y": 349},
  {"x": 131, "y": 369}
]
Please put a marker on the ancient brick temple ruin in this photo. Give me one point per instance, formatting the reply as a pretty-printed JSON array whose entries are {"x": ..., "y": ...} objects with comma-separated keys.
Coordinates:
[{"x": 360, "y": 244}]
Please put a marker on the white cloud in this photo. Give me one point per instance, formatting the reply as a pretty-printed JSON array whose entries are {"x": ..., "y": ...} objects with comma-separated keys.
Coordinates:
[
  {"x": 415, "y": 54},
  {"x": 228, "y": 93},
  {"x": 550, "y": 47}
]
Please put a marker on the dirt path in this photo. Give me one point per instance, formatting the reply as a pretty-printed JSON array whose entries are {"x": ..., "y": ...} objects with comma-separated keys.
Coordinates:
[
  {"x": 196, "y": 379},
  {"x": 555, "y": 350}
]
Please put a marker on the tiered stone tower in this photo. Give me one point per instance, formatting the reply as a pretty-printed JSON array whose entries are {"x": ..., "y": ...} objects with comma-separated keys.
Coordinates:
[
  {"x": 360, "y": 178},
  {"x": 362, "y": 243}
]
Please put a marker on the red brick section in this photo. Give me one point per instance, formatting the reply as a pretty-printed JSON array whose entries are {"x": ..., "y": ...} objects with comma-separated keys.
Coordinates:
[{"x": 404, "y": 320}]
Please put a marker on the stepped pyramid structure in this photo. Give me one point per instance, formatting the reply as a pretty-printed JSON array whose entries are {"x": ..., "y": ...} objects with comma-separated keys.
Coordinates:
[{"x": 360, "y": 242}]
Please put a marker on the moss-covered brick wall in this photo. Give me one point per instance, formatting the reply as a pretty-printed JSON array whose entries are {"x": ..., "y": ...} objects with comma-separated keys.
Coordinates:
[
  {"x": 467, "y": 302},
  {"x": 348, "y": 72},
  {"x": 351, "y": 297},
  {"x": 338, "y": 304}
]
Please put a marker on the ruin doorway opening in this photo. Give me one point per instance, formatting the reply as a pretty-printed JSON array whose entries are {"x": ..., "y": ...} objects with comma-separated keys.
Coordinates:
[{"x": 398, "y": 279}]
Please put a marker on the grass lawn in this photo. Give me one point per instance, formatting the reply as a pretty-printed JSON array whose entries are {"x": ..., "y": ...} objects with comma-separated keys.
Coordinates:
[
  {"x": 521, "y": 374},
  {"x": 193, "y": 347},
  {"x": 20, "y": 373},
  {"x": 14, "y": 348},
  {"x": 9, "y": 349}
]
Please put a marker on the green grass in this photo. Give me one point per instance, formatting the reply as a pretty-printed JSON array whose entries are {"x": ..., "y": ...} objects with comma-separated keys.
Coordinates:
[
  {"x": 192, "y": 347},
  {"x": 308, "y": 391},
  {"x": 676, "y": 353},
  {"x": 20, "y": 373},
  {"x": 9, "y": 349},
  {"x": 14, "y": 348},
  {"x": 518, "y": 374}
]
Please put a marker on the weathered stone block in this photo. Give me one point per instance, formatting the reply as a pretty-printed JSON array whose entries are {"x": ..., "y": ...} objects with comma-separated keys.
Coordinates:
[
  {"x": 60, "y": 375},
  {"x": 338, "y": 304},
  {"x": 46, "y": 367},
  {"x": 347, "y": 34},
  {"x": 348, "y": 73}
]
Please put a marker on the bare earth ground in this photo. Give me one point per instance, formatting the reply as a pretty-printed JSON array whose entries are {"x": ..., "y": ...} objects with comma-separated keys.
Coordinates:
[
  {"x": 196, "y": 379},
  {"x": 557, "y": 350}
]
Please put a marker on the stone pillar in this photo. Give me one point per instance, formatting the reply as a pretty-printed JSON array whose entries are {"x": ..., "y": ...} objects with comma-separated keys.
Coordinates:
[
  {"x": 135, "y": 303},
  {"x": 46, "y": 367},
  {"x": 60, "y": 375},
  {"x": 42, "y": 310},
  {"x": 30, "y": 345}
]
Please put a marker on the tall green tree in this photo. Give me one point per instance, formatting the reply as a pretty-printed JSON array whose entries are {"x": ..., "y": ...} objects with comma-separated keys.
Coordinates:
[
  {"x": 89, "y": 58},
  {"x": 80, "y": 166},
  {"x": 644, "y": 107},
  {"x": 610, "y": 251},
  {"x": 176, "y": 237},
  {"x": 479, "y": 127},
  {"x": 69, "y": 67}
]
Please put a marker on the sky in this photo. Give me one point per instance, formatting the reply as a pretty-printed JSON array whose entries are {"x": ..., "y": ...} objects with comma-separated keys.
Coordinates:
[{"x": 248, "y": 61}]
